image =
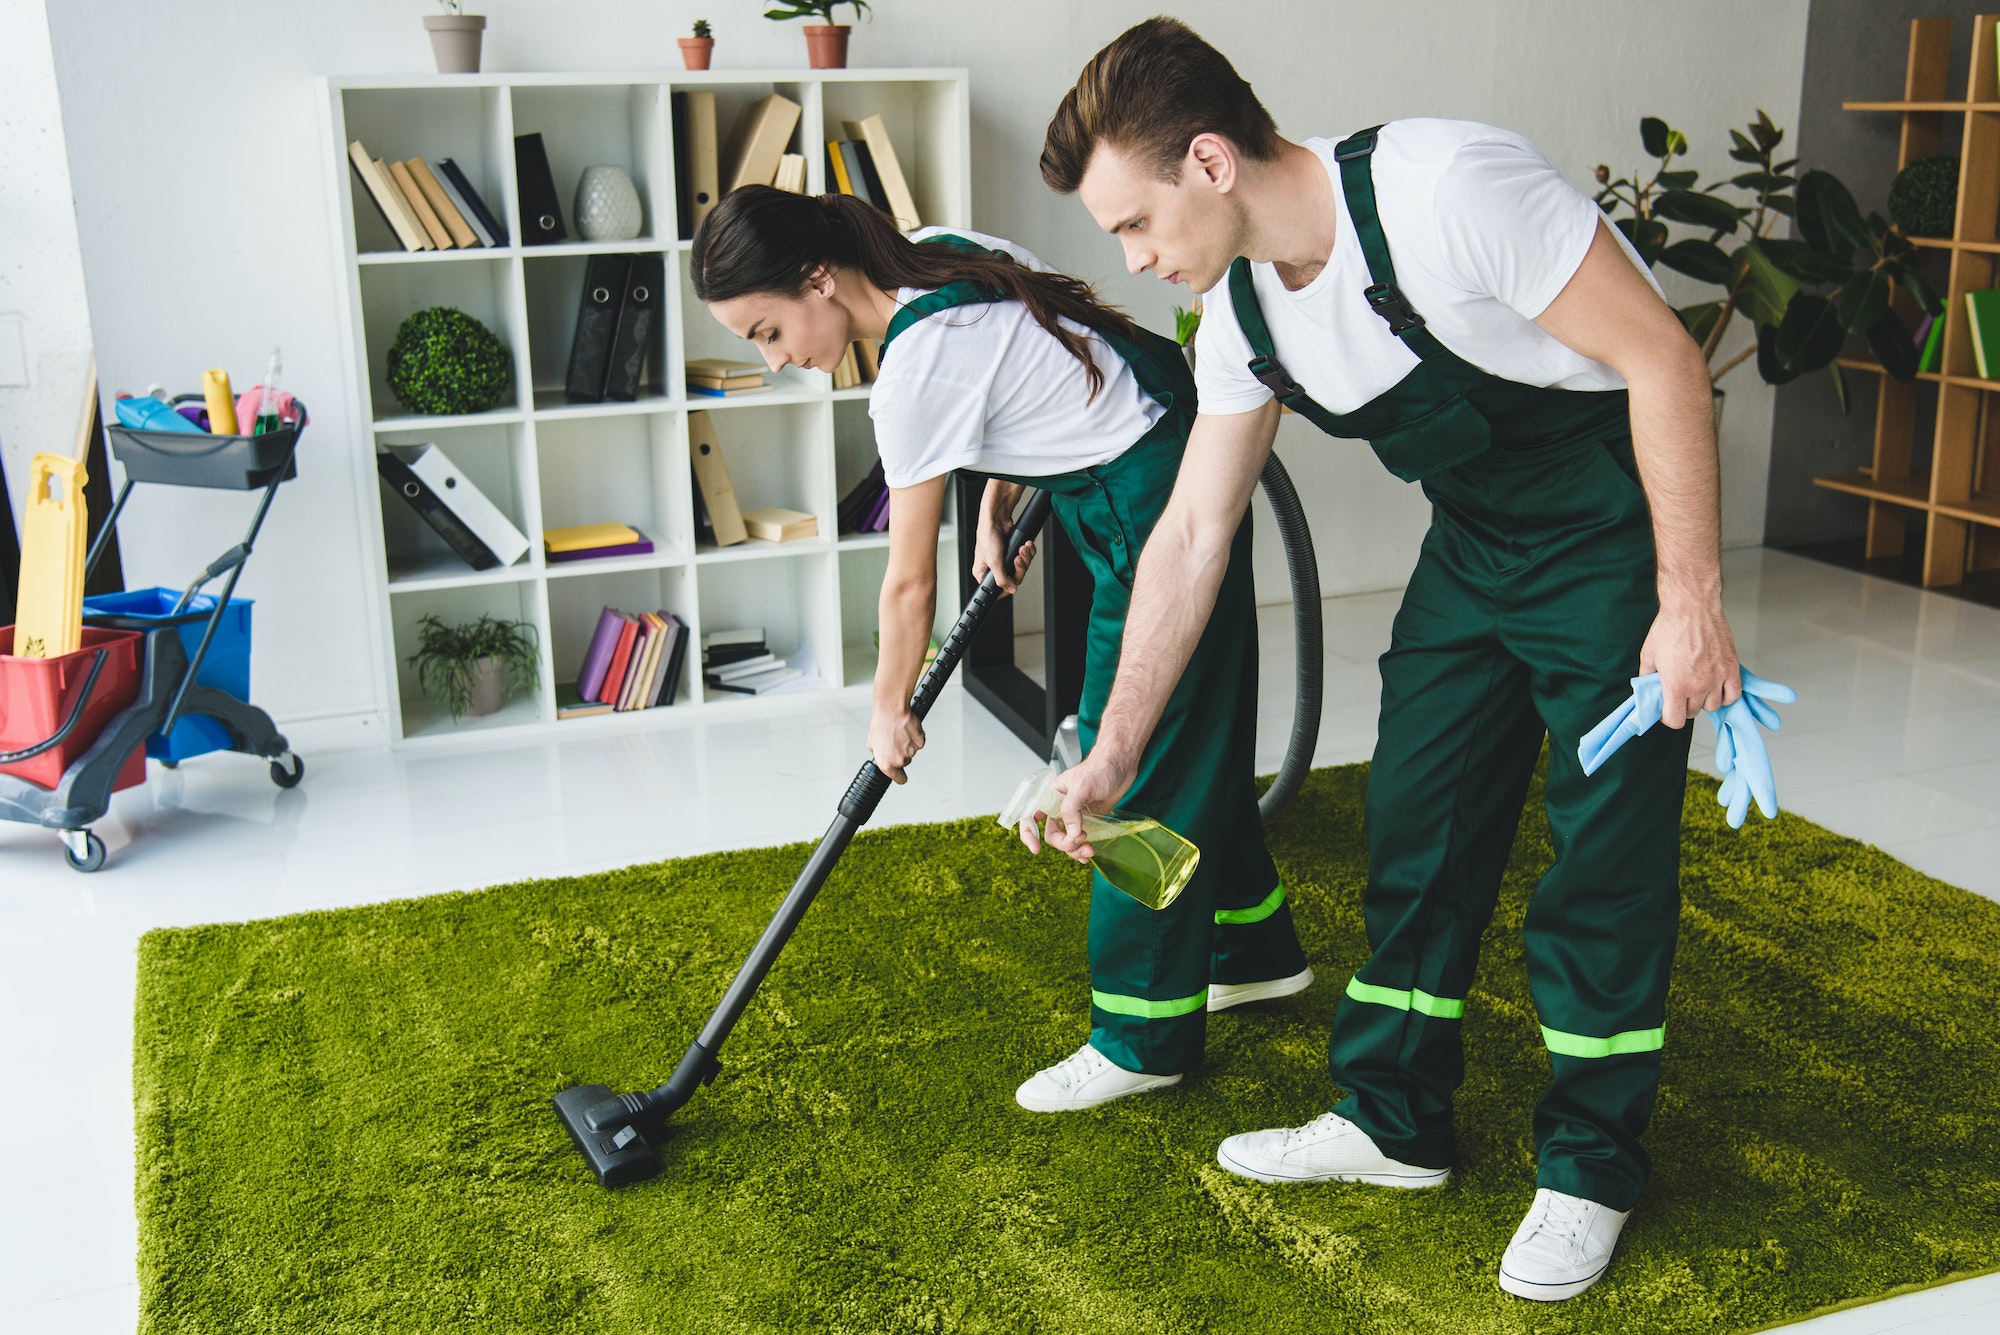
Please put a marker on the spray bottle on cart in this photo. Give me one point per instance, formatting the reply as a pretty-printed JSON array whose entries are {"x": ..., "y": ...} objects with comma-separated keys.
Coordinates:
[{"x": 1138, "y": 855}]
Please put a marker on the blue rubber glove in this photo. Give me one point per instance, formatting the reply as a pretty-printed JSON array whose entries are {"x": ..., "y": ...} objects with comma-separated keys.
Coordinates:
[
  {"x": 1622, "y": 724},
  {"x": 1740, "y": 752}
]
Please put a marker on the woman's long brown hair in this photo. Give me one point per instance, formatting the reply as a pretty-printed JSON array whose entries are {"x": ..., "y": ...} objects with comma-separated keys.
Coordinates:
[{"x": 761, "y": 240}]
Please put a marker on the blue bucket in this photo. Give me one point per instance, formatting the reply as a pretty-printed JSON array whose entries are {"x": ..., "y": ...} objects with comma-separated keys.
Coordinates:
[{"x": 227, "y": 667}]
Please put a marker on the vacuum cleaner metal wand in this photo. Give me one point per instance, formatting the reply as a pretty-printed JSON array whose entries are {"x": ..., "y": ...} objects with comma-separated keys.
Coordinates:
[{"x": 612, "y": 1129}]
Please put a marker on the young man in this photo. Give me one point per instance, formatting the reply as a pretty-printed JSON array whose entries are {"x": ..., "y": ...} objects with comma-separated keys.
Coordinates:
[{"x": 1438, "y": 289}]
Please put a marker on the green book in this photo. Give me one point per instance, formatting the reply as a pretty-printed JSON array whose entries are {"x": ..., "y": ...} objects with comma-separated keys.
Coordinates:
[
  {"x": 1933, "y": 346},
  {"x": 1984, "y": 310},
  {"x": 571, "y": 704}
]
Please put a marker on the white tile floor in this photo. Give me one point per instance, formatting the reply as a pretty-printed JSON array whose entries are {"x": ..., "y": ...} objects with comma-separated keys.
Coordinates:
[{"x": 1895, "y": 739}]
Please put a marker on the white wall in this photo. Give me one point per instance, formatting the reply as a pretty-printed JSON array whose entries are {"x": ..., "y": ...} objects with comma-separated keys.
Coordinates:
[
  {"x": 194, "y": 148},
  {"x": 44, "y": 323}
]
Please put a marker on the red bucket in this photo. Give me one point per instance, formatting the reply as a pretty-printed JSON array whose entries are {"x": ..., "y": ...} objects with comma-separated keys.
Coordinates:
[{"x": 36, "y": 695}]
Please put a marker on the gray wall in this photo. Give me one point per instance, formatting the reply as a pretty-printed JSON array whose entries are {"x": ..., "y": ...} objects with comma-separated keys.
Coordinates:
[{"x": 1856, "y": 50}]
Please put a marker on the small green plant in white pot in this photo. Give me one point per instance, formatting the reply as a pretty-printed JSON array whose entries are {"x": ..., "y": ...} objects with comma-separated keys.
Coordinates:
[{"x": 474, "y": 667}]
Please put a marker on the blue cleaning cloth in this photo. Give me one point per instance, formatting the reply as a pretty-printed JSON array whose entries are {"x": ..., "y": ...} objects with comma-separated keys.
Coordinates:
[
  {"x": 1739, "y": 747},
  {"x": 146, "y": 413}
]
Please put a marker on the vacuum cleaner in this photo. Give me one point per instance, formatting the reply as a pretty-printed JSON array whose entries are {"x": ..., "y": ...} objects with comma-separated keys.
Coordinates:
[{"x": 617, "y": 1132}]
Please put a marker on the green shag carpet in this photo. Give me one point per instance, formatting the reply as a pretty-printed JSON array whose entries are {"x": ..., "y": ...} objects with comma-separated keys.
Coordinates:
[{"x": 343, "y": 1117}]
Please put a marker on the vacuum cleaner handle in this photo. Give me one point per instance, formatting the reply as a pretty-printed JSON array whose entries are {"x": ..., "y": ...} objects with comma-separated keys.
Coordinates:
[{"x": 871, "y": 784}]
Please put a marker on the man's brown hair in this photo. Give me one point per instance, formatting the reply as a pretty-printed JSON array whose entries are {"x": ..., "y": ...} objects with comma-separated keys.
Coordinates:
[{"x": 1150, "y": 92}]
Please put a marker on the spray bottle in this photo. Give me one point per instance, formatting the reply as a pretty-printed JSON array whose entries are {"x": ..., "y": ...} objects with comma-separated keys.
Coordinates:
[{"x": 1137, "y": 854}]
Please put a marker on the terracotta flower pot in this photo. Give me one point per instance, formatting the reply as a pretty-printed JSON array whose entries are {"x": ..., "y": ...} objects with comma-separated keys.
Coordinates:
[
  {"x": 455, "y": 41},
  {"x": 695, "y": 52},
  {"x": 826, "y": 45}
]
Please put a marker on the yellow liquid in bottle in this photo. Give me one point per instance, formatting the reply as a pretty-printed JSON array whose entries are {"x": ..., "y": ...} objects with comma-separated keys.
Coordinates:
[{"x": 1146, "y": 860}]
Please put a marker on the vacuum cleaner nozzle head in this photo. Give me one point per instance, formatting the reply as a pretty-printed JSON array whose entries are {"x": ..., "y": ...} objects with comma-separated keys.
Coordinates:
[{"x": 617, "y": 1154}]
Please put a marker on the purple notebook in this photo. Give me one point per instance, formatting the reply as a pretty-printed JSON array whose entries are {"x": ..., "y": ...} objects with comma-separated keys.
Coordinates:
[
  {"x": 878, "y": 514},
  {"x": 590, "y": 677},
  {"x": 639, "y": 548}
]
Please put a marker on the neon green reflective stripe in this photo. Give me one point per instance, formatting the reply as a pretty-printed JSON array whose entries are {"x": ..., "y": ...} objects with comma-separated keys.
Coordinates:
[
  {"x": 1148, "y": 1010},
  {"x": 1258, "y": 914},
  {"x": 1618, "y": 1045},
  {"x": 1438, "y": 1008}
]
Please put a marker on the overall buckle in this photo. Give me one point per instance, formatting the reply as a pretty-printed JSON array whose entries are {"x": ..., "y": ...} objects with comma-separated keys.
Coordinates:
[
  {"x": 1274, "y": 377},
  {"x": 1387, "y": 300}
]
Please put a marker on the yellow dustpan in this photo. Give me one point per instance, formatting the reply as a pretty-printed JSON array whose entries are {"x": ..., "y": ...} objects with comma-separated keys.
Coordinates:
[{"x": 49, "y": 609}]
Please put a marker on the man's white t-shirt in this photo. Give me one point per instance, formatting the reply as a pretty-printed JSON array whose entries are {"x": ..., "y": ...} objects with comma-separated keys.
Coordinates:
[
  {"x": 986, "y": 388},
  {"x": 1484, "y": 233}
]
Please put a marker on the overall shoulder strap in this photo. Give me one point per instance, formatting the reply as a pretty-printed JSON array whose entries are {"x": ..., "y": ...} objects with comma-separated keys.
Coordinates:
[
  {"x": 1355, "y": 155},
  {"x": 944, "y": 298}
]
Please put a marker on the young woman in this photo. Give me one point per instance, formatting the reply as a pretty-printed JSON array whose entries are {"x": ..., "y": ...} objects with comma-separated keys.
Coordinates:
[{"x": 994, "y": 364}]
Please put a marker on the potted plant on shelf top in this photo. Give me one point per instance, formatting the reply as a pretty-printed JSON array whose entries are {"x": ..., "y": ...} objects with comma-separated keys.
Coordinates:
[
  {"x": 1804, "y": 295},
  {"x": 473, "y": 668},
  {"x": 826, "y": 41},
  {"x": 696, "y": 50},
  {"x": 455, "y": 37}
]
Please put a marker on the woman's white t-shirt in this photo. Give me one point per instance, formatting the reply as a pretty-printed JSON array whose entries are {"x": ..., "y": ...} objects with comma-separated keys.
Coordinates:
[
  {"x": 986, "y": 388},
  {"x": 1484, "y": 233}
]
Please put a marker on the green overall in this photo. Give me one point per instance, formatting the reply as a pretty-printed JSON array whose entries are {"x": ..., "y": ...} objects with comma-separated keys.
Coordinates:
[
  {"x": 1150, "y": 970},
  {"x": 1525, "y": 615}
]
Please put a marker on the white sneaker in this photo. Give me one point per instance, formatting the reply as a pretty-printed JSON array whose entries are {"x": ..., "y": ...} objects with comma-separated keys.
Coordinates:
[
  {"x": 1084, "y": 1079},
  {"x": 1327, "y": 1149},
  {"x": 1221, "y": 996},
  {"x": 1561, "y": 1247}
]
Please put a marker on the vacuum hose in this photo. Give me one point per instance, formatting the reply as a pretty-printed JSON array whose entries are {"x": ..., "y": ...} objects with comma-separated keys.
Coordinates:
[{"x": 1308, "y": 683}]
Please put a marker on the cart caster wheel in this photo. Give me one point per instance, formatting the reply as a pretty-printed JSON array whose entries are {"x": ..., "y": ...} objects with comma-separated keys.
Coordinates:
[
  {"x": 93, "y": 853},
  {"x": 170, "y": 764},
  {"x": 288, "y": 778}
]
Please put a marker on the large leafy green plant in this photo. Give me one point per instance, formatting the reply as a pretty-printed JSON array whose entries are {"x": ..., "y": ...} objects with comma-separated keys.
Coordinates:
[
  {"x": 819, "y": 9},
  {"x": 1803, "y": 294}
]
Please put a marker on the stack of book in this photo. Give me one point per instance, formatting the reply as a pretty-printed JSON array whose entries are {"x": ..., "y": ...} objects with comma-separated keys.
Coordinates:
[
  {"x": 865, "y": 165},
  {"x": 741, "y": 662},
  {"x": 865, "y": 509},
  {"x": 633, "y": 662},
  {"x": 428, "y": 206},
  {"x": 720, "y": 378},
  {"x": 590, "y": 542},
  {"x": 446, "y": 499}
]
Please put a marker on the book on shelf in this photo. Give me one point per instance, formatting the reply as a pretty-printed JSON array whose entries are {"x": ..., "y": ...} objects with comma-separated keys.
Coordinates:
[
  {"x": 730, "y": 646},
  {"x": 596, "y": 321},
  {"x": 482, "y": 238},
  {"x": 887, "y": 170},
  {"x": 837, "y": 181},
  {"x": 755, "y": 683},
  {"x": 485, "y": 217},
  {"x": 388, "y": 198},
  {"x": 718, "y": 377},
  {"x": 570, "y": 702},
  {"x": 433, "y": 228},
  {"x": 868, "y": 351},
  {"x": 461, "y": 233},
  {"x": 738, "y": 392},
  {"x": 743, "y": 667},
  {"x": 638, "y": 316},
  {"x": 632, "y": 662},
  {"x": 774, "y": 523},
  {"x": 711, "y": 476},
  {"x": 791, "y": 173},
  {"x": 762, "y": 132},
  {"x": 591, "y": 542},
  {"x": 858, "y": 505},
  {"x": 857, "y": 178},
  {"x": 427, "y": 480},
  {"x": 1983, "y": 308},
  {"x": 847, "y": 371},
  {"x": 541, "y": 210},
  {"x": 696, "y": 173},
  {"x": 1932, "y": 344}
]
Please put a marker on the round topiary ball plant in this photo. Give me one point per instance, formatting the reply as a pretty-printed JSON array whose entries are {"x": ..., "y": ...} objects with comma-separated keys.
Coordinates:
[
  {"x": 444, "y": 361},
  {"x": 1924, "y": 198}
]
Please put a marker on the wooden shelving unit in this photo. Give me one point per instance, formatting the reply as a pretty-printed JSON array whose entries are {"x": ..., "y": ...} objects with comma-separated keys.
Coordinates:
[
  {"x": 1959, "y": 492},
  {"x": 549, "y": 463}
]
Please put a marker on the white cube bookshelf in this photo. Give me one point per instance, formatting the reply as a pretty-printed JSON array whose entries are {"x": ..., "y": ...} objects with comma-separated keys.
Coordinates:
[{"x": 549, "y": 463}]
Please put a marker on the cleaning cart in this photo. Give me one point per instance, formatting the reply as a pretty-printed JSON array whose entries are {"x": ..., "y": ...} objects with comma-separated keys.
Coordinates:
[{"x": 92, "y": 713}]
